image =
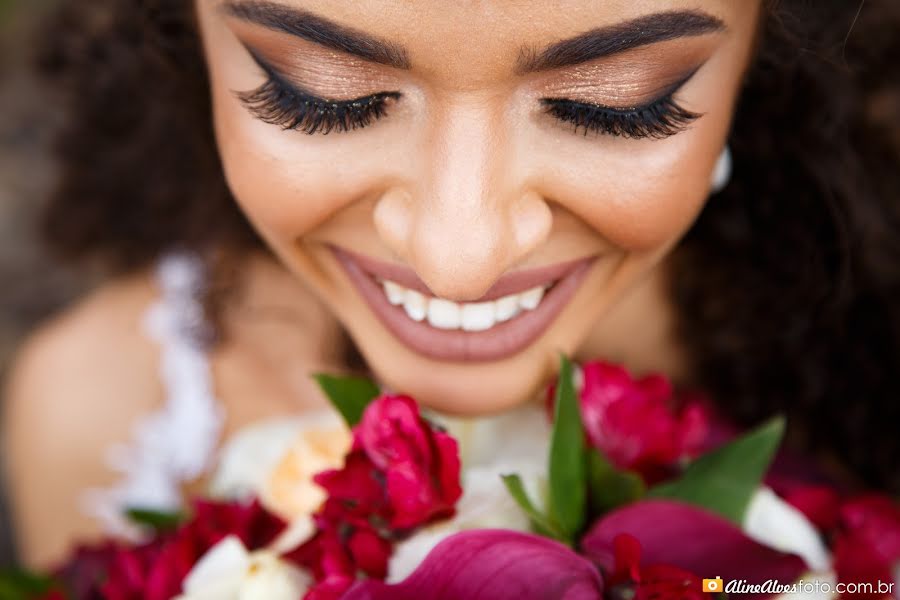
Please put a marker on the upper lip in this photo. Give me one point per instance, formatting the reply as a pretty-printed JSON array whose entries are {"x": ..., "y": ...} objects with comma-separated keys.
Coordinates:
[{"x": 510, "y": 283}]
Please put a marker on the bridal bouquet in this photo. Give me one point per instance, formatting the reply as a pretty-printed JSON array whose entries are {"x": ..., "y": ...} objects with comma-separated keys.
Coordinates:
[{"x": 617, "y": 489}]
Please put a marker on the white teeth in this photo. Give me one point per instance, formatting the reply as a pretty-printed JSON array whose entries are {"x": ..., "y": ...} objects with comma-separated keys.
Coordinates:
[
  {"x": 468, "y": 316},
  {"x": 415, "y": 305},
  {"x": 530, "y": 299},
  {"x": 477, "y": 316},
  {"x": 395, "y": 293},
  {"x": 443, "y": 314},
  {"x": 506, "y": 307}
]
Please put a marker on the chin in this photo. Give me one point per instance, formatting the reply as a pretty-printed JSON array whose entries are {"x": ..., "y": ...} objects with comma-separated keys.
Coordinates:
[{"x": 468, "y": 389}]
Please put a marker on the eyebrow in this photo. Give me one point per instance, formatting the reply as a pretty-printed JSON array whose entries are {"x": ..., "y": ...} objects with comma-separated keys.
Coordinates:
[
  {"x": 593, "y": 44},
  {"x": 613, "y": 39},
  {"x": 318, "y": 30}
]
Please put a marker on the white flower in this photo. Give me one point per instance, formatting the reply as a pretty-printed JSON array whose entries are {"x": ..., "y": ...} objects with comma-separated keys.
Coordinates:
[
  {"x": 250, "y": 455},
  {"x": 276, "y": 461},
  {"x": 773, "y": 522},
  {"x": 520, "y": 435},
  {"x": 485, "y": 504},
  {"x": 812, "y": 587},
  {"x": 513, "y": 442},
  {"x": 229, "y": 572}
]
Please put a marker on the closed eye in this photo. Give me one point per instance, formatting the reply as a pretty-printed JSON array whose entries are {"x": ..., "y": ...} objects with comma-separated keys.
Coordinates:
[
  {"x": 278, "y": 102},
  {"x": 659, "y": 118}
]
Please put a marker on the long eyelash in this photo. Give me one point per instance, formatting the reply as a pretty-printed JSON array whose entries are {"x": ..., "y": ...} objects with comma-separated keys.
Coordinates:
[
  {"x": 277, "y": 103},
  {"x": 659, "y": 119}
]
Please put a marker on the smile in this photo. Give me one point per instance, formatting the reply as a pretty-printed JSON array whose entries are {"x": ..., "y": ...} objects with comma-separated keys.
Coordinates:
[{"x": 509, "y": 317}]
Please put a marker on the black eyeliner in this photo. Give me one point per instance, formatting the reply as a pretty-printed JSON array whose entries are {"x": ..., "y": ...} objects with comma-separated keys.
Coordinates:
[
  {"x": 279, "y": 102},
  {"x": 658, "y": 118}
]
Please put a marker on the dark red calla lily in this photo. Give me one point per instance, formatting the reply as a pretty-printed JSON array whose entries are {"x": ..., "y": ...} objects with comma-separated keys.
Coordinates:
[
  {"x": 492, "y": 564},
  {"x": 689, "y": 538}
]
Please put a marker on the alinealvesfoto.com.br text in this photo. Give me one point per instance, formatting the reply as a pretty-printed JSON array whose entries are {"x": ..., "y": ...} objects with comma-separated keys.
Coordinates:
[{"x": 773, "y": 586}]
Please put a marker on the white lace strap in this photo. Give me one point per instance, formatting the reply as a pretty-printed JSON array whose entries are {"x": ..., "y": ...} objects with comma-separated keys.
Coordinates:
[{"x": 177, "y": 443}]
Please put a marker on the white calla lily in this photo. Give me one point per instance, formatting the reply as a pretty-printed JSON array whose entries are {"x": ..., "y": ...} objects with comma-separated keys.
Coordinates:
[{"x": 773, "y": 522}]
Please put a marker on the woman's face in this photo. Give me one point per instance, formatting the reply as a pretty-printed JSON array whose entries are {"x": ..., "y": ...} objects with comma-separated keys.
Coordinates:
[{"x": 471, "y": 186}]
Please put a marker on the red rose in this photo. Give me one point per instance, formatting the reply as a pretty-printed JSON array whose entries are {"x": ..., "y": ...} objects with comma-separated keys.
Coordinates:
[
  {"x": 663, "y": 581},
  {"x": 354, "y": 491},
  {"x": 213, "y": 521},
  {"x": 155, "y": 570},
  {"x": 420, "y": 465},
  {"x": 370, "y": 551},
  {"x": 86, "y": 570},
  {"x": 631, "y": 580},
  {"x": 332, "y": 588},
  {"x": 636, "y": 422},
  {"x": 337, "y": 553},
  {"x": 327, "y": 556},
  {"x": 152, "y": 572},
  {"x": 401, "y": 473}
]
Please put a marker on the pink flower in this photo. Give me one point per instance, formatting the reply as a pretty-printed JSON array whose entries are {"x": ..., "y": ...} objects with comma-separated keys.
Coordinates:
[
  {"x": 327, "y": 556},
  {"x": 344, "y": 547},
  {"x": 213, "y": 521},
  {"x": 864, "y": 531},
  {"x": 867, "y": 542},
  {"x": 400, "y": 474},
  {"x": 820, "y": 504},
  {"x": 420, "y": 464},
  {"x": 354, "y": 491},
  {"x": 636, "y": 422},
  {"x": 492, "y": 564}
]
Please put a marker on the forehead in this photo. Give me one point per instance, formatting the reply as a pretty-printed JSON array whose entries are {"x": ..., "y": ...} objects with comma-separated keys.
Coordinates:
[{"x": 486, "y": 38}]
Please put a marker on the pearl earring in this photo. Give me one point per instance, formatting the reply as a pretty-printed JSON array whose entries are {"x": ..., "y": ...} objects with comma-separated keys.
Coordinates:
[{"x": 721, "y": 174}]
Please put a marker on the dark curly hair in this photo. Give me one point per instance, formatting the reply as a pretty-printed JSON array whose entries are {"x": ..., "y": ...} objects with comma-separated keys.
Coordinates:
[{"x": 787, "y": 287}]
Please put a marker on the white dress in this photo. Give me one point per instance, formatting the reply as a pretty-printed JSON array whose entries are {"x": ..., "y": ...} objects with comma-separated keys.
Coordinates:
[{"x": 177, "y": 443}]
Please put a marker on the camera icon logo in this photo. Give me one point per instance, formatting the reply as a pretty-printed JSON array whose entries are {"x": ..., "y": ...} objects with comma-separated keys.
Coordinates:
[{"x": 713, "y": 585}]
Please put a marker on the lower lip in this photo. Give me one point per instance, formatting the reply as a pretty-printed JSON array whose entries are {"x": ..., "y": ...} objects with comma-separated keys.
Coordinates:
[{"x": 501, "y": 341}]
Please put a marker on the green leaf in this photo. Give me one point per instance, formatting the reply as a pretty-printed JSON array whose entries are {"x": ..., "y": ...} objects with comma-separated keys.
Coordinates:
[
  {"x": 608, "y": 487},
  {"x": 349, "y": 395},
  {"x": 156, "y": 520},
  {"x": 567, "y": 469},
  {"x": 724, "y": 480},
  {"x": 540, "y": 522},
  {"x": 22, "y": 585}
]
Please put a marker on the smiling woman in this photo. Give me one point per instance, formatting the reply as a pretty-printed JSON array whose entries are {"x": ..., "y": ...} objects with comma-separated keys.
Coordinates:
[
  {"x": 447, "y": 196},
  {"x": 478, "y": 177}
]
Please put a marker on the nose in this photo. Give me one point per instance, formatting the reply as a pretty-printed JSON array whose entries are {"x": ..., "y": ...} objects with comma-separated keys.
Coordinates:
[{"x": 468, "y": 216}]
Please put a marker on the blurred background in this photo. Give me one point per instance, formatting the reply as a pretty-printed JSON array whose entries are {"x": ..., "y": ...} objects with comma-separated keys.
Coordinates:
[{"x": 31, "y": 285}]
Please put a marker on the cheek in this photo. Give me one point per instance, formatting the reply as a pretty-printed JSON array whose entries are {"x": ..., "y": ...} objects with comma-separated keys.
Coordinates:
[
  {"x": 643, "y": 195},
  {"x": 286, "y": 182}
]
